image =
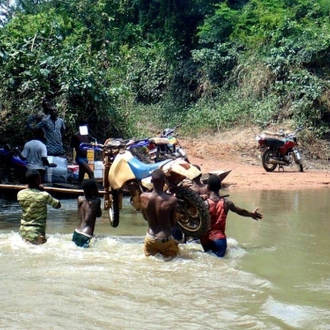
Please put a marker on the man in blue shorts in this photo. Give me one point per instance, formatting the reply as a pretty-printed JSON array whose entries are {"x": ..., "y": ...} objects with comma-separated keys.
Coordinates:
[
  {"x": 89, "y": 208},
  {"x": 215, "y": 238}
]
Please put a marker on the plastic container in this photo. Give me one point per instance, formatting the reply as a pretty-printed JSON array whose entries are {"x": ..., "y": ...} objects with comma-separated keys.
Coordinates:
[
  {"x": 98, "y": 169},
  {"x": 90, "y": 156},
  {"x": 58, "y": 174}
]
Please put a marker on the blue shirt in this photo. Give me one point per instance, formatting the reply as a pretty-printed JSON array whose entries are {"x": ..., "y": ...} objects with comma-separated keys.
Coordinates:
[{"x": 53, "y": 132}]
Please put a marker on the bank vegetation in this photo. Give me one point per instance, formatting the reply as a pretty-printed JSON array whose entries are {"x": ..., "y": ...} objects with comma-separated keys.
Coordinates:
[{"x": 132, "y": 67}]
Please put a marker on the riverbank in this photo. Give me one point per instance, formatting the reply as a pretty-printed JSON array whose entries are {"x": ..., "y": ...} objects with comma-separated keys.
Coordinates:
[{"x": 237, "y": 150}]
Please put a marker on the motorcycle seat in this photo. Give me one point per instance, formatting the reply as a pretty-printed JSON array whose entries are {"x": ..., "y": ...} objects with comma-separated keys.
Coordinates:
[
  {"x": 271, "y": 142},
  {"x": 142, "y": 170},
  {"x": 160, "y": 141}
]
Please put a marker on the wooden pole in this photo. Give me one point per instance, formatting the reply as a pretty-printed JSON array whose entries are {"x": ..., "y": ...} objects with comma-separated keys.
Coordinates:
[{"x": 50, "y": 189}]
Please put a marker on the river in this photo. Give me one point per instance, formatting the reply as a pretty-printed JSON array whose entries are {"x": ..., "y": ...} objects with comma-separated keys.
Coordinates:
[{"x": 276, "y": 274}]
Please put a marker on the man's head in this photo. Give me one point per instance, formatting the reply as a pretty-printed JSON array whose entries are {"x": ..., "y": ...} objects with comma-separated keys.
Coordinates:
[
  {"x": 33, "y": 178},
  {"x": 53, "y": 112},
  {"x": 199, "y": 169},
  {"x": 158, "y": 177},
  {"x": 39, "y": 134},
  {"x": 90, "y": 188},
  {"x": 214, "y": 183},
  {"x": 46, "y": 104}
]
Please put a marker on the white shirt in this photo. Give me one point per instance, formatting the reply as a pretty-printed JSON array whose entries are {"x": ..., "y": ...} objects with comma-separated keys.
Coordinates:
[{"x": 33, "y": 151}]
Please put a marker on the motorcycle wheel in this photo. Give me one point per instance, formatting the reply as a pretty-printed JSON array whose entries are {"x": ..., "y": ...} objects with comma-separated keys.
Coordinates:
[
  {"x": 114, "y": 209},
  {"x": 297, "y": 160},
  {"x": 266, "y": 156},
  {"x": 192, "y": 214}
]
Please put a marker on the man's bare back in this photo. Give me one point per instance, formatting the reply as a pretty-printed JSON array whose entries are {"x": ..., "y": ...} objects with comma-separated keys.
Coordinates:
[
  {"x": 159, "y": 209},
  {"x": 88, "y": 210}
]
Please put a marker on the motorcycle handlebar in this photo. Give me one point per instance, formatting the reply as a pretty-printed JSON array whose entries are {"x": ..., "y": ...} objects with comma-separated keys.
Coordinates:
[
  {"x": 91, "y": 145},
  {"x": 117, "y": 143},
  {"x": 171, "y": 131}
]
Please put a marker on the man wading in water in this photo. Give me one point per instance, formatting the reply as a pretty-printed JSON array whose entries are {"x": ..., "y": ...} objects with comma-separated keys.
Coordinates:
[
  {"x": 89, "y": 208},
  {"x": 159, "y": 209},
  {"x": 215, "y": 238},
  {"x": 33, "y": 201}
]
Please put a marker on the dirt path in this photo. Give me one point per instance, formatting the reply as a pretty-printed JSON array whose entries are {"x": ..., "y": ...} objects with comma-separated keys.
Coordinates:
[{"x": 238, "y": 152}]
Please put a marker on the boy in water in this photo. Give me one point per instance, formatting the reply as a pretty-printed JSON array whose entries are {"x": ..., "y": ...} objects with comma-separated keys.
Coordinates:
[
  {"x": 159, "y": 210},
  {"x": 34, "y": 201},
  {"x": 89, "y": 208},
  {"x": 215, "y": 238}
]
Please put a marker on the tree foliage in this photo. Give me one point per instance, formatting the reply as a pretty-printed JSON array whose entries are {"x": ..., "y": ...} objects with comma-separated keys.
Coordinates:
[{"x": 205, "y": 62}]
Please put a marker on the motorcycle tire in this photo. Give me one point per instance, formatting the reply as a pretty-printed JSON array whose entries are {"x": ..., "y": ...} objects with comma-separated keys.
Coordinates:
[
  {"x": 298, "y": 161},
  {"x": 114, "y": 208},
  {"x": 268, "y": 154},
  {"x": 193, "y": 216}
]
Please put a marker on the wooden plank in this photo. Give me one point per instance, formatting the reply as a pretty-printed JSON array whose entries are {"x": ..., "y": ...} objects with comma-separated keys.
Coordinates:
[{"x": 47, "y": 188}]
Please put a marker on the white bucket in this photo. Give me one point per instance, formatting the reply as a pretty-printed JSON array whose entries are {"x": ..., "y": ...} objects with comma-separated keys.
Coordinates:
[
  {"x": 60, "y": 172},
  {"x": 98, "y": 169}
]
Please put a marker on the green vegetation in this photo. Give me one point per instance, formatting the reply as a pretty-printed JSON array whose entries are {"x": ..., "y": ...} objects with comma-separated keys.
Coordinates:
[{"x": 131, "y": 67}]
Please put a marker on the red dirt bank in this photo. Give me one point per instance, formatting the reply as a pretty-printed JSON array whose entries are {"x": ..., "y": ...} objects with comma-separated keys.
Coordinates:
[{"x": 238, "y": 152}]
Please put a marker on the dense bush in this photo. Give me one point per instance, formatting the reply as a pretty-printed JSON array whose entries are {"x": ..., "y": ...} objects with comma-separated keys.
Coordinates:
[{"x": 133, "y": 67}]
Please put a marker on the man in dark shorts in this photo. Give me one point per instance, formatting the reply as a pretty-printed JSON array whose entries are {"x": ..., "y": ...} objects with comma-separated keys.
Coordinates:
[
  {"x": 215, "y": 238},
  {"x": 81, "y": 154},
  {"x": 159, "y": 210},
  {"x": 89, "y": 208}
]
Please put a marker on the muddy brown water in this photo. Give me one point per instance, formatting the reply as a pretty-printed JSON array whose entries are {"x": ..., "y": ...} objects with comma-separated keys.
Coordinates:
[{"x": 276, "y": 274}]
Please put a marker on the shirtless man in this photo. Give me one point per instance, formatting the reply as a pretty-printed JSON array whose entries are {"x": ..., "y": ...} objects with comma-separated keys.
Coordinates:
[
  {"x": 198, "y": 186},
  {"x": 159, "y": 210},
  {"x": 89, "y": 208}
]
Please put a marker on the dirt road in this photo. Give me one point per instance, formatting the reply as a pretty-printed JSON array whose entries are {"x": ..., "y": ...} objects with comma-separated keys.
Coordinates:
[{"x": 239, "y": 153}]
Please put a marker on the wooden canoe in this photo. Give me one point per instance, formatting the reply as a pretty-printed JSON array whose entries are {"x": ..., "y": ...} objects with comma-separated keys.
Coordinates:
[{"x": 60, "y": 190}]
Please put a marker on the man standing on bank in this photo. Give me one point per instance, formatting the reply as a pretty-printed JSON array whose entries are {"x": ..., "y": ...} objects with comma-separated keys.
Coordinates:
[
  {"x": 215, "y": 238},
  {"x": 159, "y": 210}
]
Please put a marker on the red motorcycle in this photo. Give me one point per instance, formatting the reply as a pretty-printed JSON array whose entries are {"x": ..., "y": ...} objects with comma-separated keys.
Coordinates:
[{"x": 280, "y": 152}]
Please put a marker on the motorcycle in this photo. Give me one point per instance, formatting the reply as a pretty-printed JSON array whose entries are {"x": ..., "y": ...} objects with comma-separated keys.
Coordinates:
[
  {"x": 168, "y": 146},
  {"x": 156, "y": 149},
  {"x": 143, "y": 149},
  {"x": 280, "y": 152},
  {"x": 12, "y": 167},
  {"x": 125, "y": 173}
]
